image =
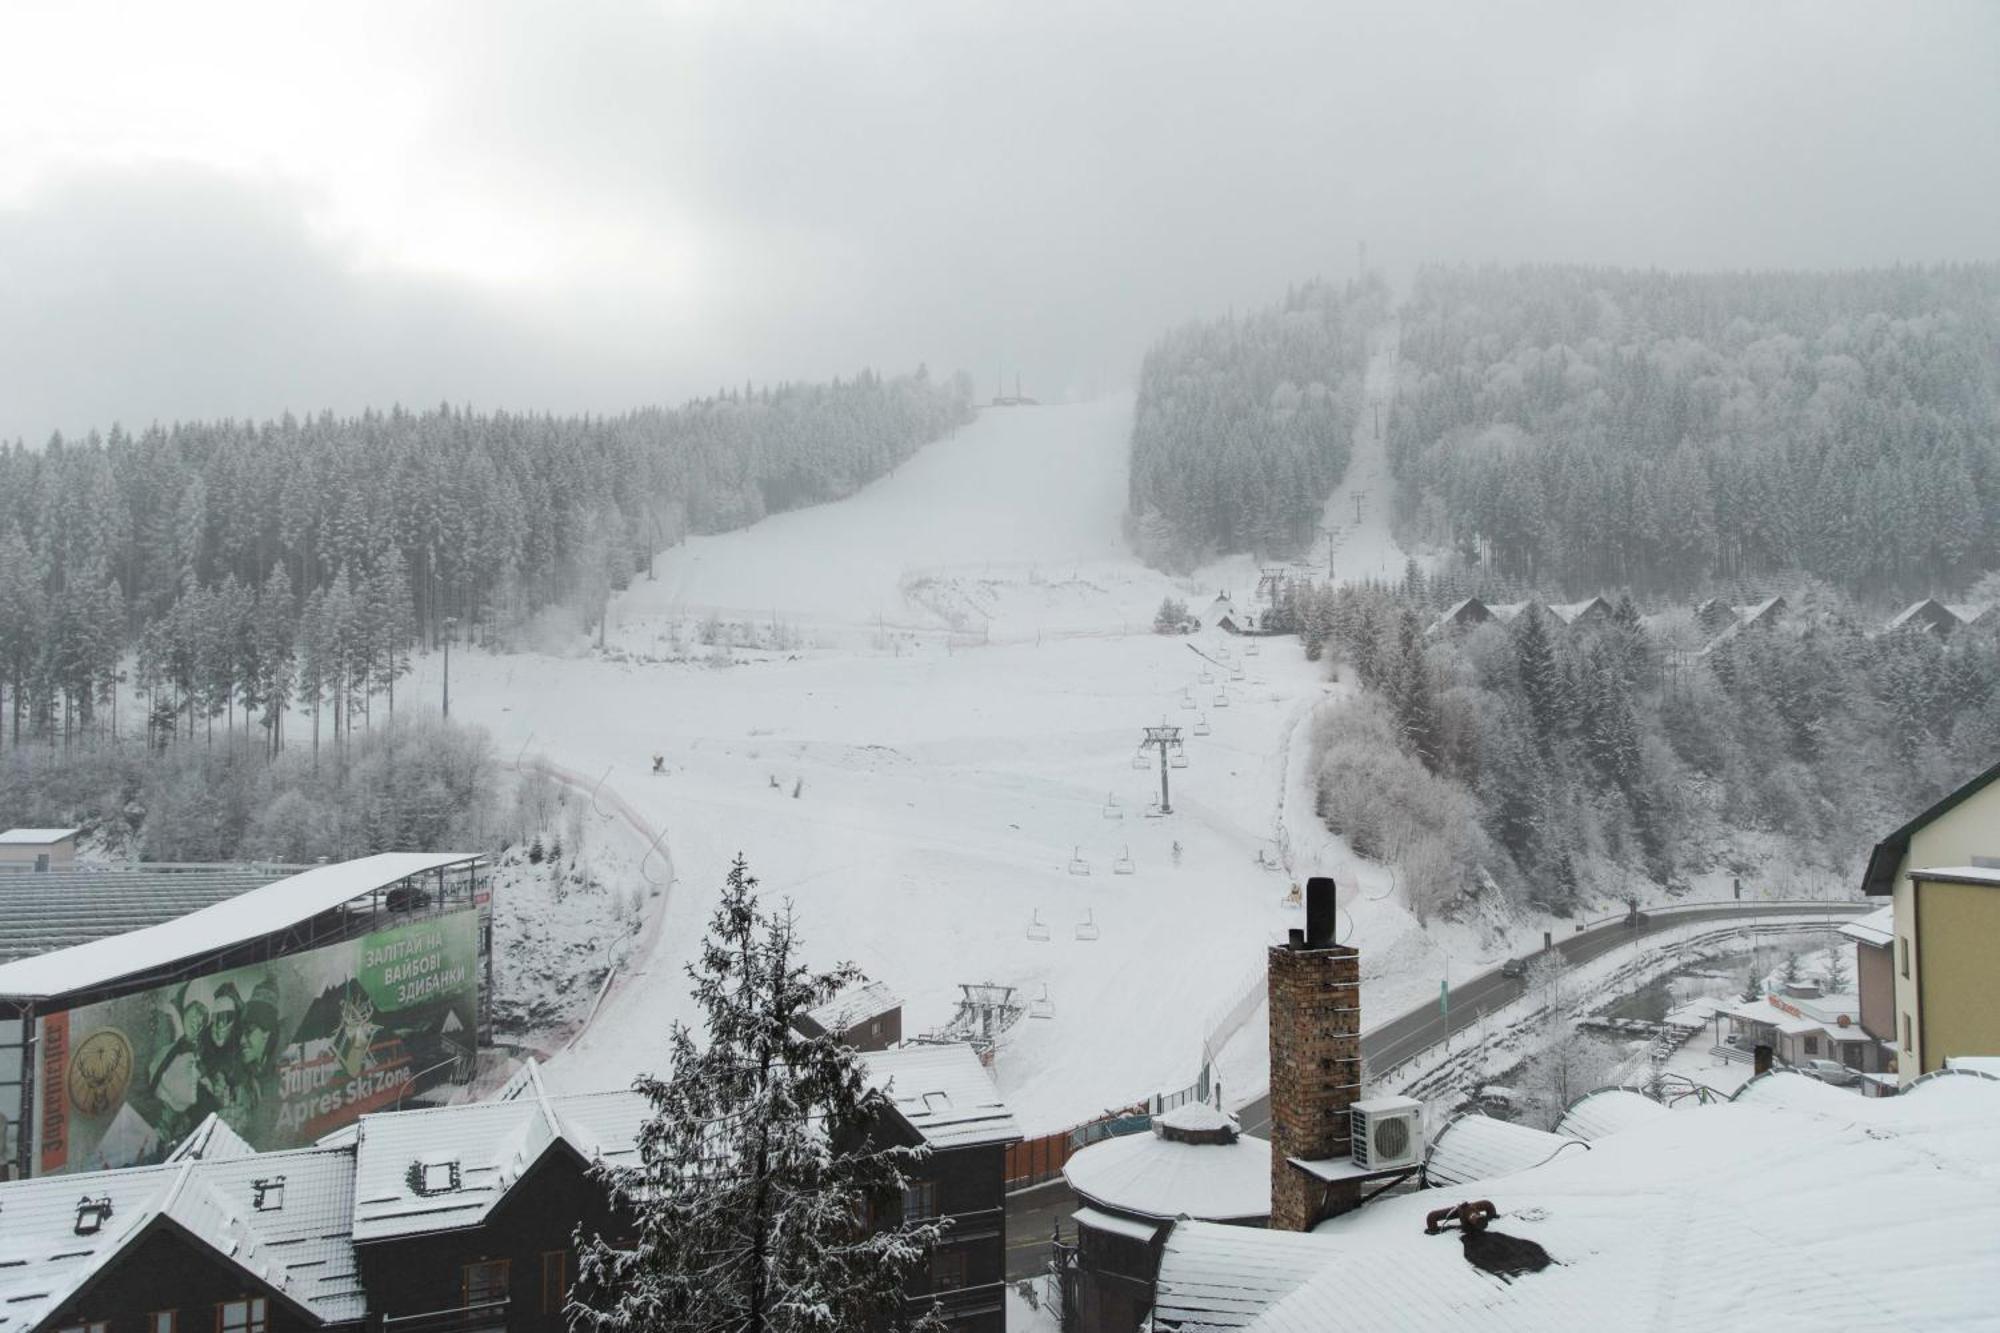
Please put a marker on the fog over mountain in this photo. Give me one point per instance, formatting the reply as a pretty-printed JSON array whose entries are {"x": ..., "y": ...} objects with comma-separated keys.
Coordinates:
[{"x": 259, "y": 208}]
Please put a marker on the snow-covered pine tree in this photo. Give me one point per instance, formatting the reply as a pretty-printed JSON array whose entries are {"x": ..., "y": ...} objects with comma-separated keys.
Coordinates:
[{"x": 760, "y": 1173}]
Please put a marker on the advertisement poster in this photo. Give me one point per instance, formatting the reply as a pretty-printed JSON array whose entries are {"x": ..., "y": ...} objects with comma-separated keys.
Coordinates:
[{"x": 284, "y": 1051}]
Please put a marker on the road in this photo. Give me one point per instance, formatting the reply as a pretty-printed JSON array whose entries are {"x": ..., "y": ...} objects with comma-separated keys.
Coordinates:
[{"x": 1032, "y": 1213}]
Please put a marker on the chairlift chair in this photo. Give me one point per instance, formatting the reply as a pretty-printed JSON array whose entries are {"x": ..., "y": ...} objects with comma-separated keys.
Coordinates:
[
  {"x": 1086, "y": 929},
  {"x": 1077, "y": 865},
  {"x": 1236, "y": 672},
  {"x": 1201, "y": 725},
  {"x": 1222, "y": 698},
  {"x": 1140, "y": 761},
  {"x": 1042, "y": 1006},
  {"x": 1177, "y": 760},
  {"x": 1153, "y": 810},
  {"x": 1113, "y": 810},
  {"x": 1250, "y": 649},
  {"x": 1187, "y": 701},
  {"x": 1207, "y": 678},
  {"x": 1038, "y": 929},
  {"x": 1123, "y": 865}
]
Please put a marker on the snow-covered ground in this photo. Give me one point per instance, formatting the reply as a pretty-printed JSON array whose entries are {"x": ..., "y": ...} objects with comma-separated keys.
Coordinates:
[
  {"x": 957, "y": 665},
  {"x": 967, "y": 668}
]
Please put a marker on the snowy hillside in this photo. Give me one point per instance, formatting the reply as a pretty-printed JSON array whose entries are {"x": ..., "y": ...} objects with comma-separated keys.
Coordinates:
[{"x": 953, "y": 726}]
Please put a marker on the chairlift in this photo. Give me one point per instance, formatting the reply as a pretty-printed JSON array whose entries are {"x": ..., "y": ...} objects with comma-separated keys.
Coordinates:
[
  {"x": 1201, "y": 725},
  {"x": 1207, "y": 678},
  {"x": 1042, "y": 1006},
  {"x": 1236, "y": 672},
  {"x": 1222, "y": 698},
  {"x": 1177, "y": 760},
  {"x": 1140, "y": 761},
  {"x": 1250, "y": 649},
  {"x": 1086, "y": 929},
  {"x": 1113, "y": 810},
  {"x": 1153, "y": 810},
  {"x": 1038, "y": 929},
  {"x": 1077, "y": 865},
  {"x": 1123, "y": 865},
  {"x": 1187, "y": 701}
]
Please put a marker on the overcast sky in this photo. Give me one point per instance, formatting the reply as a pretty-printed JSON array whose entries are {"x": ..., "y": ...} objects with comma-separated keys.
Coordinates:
[{"x": 234, "y": 210}]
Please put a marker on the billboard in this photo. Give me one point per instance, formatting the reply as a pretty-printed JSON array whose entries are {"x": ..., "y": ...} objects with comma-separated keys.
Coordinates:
[{"x": 284, "y": 1051}]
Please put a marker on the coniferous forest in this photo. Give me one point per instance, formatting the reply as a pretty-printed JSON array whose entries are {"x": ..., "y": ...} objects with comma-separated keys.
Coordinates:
[
  {"x": 1243, "y": 425},
  {"x": 251, "y": 569},
  {"x": 1585, "y": 429}
]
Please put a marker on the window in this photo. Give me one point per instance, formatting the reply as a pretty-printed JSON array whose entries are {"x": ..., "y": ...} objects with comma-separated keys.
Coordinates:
[
  {"x": 163, "y": 1321},
  {"x": 486, "y": 1282},
  {"x": 268, "y": 1196},
  {"x": 947, "y": 1270},
  {"x": 1908, "y": 1044},
  {"x": 1903, "y": 953},
  {"x": 1812, "y": 1045},
  {"x": 244, "y": 1316},
  {"x": 555, "y": 1280},
  {"x": 920, "y": 1199}
]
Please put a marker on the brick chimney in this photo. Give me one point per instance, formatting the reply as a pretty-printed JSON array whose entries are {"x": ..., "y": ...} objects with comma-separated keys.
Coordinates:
[{"x": 1315, "y": 1002}]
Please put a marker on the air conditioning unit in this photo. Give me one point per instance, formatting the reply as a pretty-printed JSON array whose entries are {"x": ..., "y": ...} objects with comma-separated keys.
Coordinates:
[{"x": 1388, "y": 1132}]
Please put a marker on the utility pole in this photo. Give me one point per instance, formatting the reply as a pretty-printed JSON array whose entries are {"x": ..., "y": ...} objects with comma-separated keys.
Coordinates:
[
  {"x": 1359, "y": 496},
  {"x": 1329, "y": 531},
  {"x": 1166, "y": 740}
]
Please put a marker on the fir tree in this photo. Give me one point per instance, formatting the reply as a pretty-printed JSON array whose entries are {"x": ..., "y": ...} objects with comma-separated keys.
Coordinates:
[{"x": 760, "y": 1165}]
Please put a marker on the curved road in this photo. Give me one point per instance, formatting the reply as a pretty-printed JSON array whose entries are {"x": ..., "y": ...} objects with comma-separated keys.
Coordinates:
[{"x": 1033, "y": 1213}]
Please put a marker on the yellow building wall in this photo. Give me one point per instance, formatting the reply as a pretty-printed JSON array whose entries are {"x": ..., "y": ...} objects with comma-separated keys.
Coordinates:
[
  {"x": 1969, "y": 829},
  {"x": 1957, "y": 928}
]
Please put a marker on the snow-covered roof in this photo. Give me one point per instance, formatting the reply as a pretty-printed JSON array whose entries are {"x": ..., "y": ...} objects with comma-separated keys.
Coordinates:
[
  {"x": 1961, "y": 874},
  {"x": 36, "y": 837},
  {"x": 298, "y": 1242},
  {"x": 1878, "y": 928},
  {"x": 444, "y": 1168},
  {"x": 249, "y": 916},
  {"x": 211, "y": 1141},
  {"x": 1974, "y": 1064},
  {"x": 857, "y": 1004},
  {"x": 1197, "y": 1118},
  {"x": 1821, "y": 1015},
  {"x": 945, "y": 1094},
  {"x": 1607, "y": 1111},
  {"x": 1217, "y": 1277},
  {"x": 1479, "y": 1147},
  {"x": 1144, "y": 1232},
  {"x": 1148, "y": 1175},
  {"x": 1685, "y": 1219}
]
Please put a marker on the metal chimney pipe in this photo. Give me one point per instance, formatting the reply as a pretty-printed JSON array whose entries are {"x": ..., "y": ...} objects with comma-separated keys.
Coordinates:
[{"x": 1320, "y": 928}]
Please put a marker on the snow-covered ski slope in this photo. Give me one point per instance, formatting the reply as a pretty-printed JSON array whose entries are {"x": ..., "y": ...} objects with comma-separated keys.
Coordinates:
[{"x": 958, "y": 716}]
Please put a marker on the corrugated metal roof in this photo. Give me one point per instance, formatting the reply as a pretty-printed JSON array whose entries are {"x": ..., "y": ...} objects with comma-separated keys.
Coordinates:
[
  {"x": 1478, "y": 1147},
  {"x": 59, "y": 909},
  {"x": 212, "y": 1141},
  {"x": 1606, "y": 1111},
  {"x": 1218, "y": 1277},
  {"x": 945, "y": 1094},
  {"x": 249, "y": 916}
]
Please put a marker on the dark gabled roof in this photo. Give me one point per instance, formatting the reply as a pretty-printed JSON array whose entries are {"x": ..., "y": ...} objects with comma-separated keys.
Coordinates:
[{"x": 1880, "y": 878}]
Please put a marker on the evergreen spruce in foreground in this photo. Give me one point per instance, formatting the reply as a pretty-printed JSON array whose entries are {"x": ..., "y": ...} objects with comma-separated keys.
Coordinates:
[{"x": 761, "y": 1167}]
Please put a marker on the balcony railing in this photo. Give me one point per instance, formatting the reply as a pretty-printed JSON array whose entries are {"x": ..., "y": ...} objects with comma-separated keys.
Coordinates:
[{"x": 479, "y": 1317}]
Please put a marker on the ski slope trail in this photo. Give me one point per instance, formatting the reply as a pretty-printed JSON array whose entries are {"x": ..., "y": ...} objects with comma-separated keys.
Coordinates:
[
  {"x": 937, "y": 749},
  {"x": 1360, "y": 511}
]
